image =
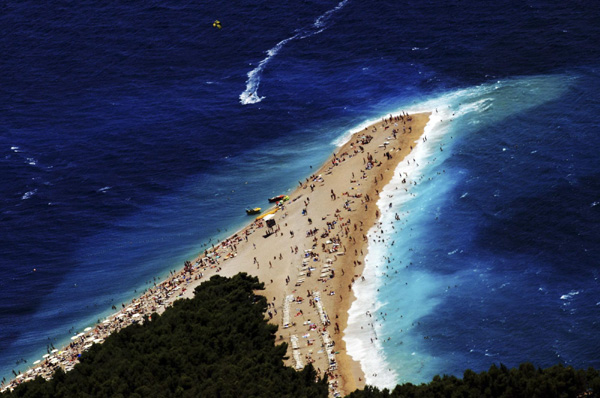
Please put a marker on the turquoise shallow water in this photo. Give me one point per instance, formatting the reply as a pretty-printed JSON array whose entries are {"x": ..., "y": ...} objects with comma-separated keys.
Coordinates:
[{"x": 470, "y": 273}]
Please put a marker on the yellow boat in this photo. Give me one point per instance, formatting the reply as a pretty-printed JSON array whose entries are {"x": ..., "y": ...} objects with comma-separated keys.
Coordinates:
[
  {"x": 256, "y": 210},
  {"x": 272, "y": 211}
]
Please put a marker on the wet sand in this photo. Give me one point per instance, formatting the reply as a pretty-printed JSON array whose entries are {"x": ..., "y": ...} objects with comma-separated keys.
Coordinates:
[
  {"x": 308, "y": 261},
  {"x": 339, "y": 247}
]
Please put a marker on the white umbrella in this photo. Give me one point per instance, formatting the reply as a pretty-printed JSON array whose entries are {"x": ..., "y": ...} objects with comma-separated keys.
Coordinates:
[
  {"x": 54, "y": 351},
  {"x": 36, "y": 362},
  {"x": 45, "y": 355},
  {"x": 80, "y": 335},
  {"x": 74, "y": 337},
  {"x": 87, "y": 329}
]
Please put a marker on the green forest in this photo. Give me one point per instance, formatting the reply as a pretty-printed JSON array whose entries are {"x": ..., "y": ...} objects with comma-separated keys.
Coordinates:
[
  {"x": 526, "y": 381},
  {"x": 219, "y": 344}
]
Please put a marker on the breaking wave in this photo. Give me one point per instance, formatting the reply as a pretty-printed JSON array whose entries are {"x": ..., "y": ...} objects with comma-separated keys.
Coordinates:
[{"x": 28, "y": 194}]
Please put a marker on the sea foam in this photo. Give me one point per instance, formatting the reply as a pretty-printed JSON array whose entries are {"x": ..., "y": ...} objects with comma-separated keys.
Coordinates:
[
  {"x": 103, "y": 189},
  {"x": 347, "y": 135},
  {"x": 28, "y": 194},
  {"x": 363, "y": 332},
  {"x": 477, "y": 103}
]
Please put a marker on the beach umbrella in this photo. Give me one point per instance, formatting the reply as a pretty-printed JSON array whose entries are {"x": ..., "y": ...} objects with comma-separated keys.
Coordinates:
[
  {"x": 87, "y": 329},
  {"x": 74, "y": 337},
  {"x": 45, "y": 355},
  {"x": 36, "y": 362},
  {"x": 54, "y": 351},
  {"x": 80, "y": 335}
]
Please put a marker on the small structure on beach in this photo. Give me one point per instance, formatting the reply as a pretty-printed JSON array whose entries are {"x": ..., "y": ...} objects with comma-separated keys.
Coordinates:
[{"x": 269, "y": 220}]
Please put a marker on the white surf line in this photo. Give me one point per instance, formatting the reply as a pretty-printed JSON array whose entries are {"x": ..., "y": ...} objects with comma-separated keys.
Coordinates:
[{"x": 511, "y": 96}]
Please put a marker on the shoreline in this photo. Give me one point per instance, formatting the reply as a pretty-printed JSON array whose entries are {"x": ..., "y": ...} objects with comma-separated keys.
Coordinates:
[
  {"x": 317, "y": 231},
  {"x": 347, "y": 373},
  {"x": 365, "y": 318},
  {"x": 356, "y": 369}
]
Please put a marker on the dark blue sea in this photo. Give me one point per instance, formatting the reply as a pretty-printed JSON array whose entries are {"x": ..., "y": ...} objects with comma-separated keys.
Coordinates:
[{"x": 132, "y": 134}]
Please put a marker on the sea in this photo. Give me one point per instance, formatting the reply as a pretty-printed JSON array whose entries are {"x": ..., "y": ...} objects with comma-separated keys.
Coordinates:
[{"x": 134, "y": 134}]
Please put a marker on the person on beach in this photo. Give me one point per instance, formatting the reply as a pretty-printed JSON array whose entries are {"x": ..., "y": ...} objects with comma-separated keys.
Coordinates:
[{"x": 363, "y": 186}]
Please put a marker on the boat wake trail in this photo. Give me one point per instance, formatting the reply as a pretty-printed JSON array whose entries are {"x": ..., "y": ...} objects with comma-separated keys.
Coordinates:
[{"x": 250, "y": 95}]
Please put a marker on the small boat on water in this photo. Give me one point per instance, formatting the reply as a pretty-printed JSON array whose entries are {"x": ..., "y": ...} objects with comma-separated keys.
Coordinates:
[
  {"x": 276, "y": 198},
  {"x": 256, "y": 210},
  {"x": 279, "y": 198}
]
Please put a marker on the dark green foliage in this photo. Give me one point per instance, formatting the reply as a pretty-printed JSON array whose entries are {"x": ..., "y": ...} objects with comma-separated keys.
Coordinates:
[
  {"x": 219, "y": 345},
  {"x": 500, "y": 382},
  {"x": 214, "y": 345}
]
